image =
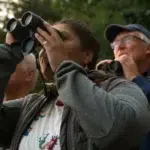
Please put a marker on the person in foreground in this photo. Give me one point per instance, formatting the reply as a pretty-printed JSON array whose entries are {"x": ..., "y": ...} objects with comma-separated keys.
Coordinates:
[{"x": 83, "y": 115}]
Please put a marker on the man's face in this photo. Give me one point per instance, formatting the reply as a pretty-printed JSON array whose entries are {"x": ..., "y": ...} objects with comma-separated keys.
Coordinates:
[
  {"x": 130, "y": 44},
  {"x": 18, "y": 77}
]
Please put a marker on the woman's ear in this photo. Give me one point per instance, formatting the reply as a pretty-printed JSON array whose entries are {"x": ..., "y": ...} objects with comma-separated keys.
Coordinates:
[{"x": 88, "y": 57}]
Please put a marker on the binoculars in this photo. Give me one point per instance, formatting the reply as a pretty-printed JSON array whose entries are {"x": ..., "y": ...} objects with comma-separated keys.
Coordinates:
[
  {"x": 114, "y": 67},
  {"x": 23, "y": 30}
]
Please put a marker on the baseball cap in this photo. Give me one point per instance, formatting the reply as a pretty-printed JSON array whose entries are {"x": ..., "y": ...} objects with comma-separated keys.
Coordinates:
[{"x": 114, "y": 29}]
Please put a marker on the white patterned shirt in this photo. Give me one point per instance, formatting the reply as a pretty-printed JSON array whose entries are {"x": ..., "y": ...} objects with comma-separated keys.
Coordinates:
[{"x": 43, "y": 133}]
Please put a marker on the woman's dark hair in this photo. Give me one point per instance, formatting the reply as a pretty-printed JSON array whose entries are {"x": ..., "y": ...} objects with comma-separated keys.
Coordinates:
[{"x": 86, "y": 37}]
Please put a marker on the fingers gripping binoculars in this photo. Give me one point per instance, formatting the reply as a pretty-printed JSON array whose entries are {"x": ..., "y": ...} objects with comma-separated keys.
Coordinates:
[
  {"x": 114, "y": 68},
  {"x": 23, "y": 30}
]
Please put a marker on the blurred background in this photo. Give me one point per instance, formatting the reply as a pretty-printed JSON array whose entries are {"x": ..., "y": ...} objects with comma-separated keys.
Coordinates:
[{"x": 97, "y": 13}]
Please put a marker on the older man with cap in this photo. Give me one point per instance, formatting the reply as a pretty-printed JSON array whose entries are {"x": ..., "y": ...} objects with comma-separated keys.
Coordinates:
[
  {"x": 23, "y": 80},
  {"x": 131, "y": 46}
]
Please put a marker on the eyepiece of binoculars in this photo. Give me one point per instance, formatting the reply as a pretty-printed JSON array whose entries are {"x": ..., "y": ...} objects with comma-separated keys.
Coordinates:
[
  {"x": 28, "y": 45},
  {"x": 32, "y": 20},
  {"x": 18, "y": 31},
  {"x": 12, "y": 24},
  {"x": 114, "y": 67},
  {"x": 27, "y": 18}
]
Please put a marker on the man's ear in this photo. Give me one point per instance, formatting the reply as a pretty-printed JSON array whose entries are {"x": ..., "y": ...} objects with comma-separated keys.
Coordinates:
[
  {"x": 88, "y": 55},
  {"x": 148, "y": 51}
]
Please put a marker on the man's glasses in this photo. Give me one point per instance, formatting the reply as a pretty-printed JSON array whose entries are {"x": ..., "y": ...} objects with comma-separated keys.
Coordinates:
[{"x": 127, "y": 40}]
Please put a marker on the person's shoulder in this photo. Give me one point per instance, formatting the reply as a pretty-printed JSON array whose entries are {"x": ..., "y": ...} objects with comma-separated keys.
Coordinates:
[
  {"x": 130, "y": 93},
  {"x": 121, "y": 82},
  {"x": 125, "y": 86},
  {"x": 114, "y": 82},
  {"x": 31, "y": 98}
]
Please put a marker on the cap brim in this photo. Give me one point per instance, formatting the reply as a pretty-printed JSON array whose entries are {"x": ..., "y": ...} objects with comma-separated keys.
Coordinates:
[{"x": 113, "y": 30}]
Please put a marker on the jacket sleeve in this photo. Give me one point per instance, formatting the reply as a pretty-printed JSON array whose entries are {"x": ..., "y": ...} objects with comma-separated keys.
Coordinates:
[
  {"x": 9, "y": 114},
  {"x": 10, "y": 56},
  {"x": 99, "y": 112},
  {"x": 144, "y": 84},
  {"x": 9, "y": 117}
]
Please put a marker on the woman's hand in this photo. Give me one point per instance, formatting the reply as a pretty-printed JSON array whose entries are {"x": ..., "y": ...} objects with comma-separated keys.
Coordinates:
[{"x": 53, "y": 45}]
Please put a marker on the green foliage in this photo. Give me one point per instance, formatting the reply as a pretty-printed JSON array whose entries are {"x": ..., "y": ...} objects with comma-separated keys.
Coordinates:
[{"x": 2, "y": 36}]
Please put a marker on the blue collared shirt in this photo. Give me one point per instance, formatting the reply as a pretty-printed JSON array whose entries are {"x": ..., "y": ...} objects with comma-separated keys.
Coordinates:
[{"x": 143, "y": 81}]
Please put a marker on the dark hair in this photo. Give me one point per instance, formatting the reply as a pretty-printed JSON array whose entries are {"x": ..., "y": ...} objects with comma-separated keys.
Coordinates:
[{"x": 86, "y": 37}]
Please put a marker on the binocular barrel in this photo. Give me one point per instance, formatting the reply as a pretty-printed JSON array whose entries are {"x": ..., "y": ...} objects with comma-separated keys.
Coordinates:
[
  {"x": 114, "y": 67},
  {"x": 28, "y": 45},
  {"x": 33, "y": 21},
  {"x": 15, "y": 27},
  {"x": 24, "y": 29}
]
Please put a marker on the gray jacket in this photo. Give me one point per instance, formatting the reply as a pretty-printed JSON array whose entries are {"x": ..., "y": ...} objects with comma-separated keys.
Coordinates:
[{"x": 116, "y": 119}]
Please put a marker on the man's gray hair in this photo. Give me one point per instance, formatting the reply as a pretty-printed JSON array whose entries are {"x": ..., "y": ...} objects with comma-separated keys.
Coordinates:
[
  {"x": 144, "y": 38},
  {"x": 29, "y": 63}
]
